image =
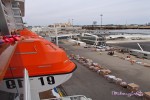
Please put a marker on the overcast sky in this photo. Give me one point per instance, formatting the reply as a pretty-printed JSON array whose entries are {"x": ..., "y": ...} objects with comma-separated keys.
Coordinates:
[{"x": 45, "y": 12}]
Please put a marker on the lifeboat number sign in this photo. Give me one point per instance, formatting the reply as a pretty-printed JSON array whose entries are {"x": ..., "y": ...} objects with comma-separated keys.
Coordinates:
[
  {"x": 12, "y": 83},
  {"x": 37, "y": 84}
]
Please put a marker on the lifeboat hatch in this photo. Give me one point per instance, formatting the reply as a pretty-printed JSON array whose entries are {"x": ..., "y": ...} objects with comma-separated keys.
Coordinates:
[{"x": 26, "y": 48}]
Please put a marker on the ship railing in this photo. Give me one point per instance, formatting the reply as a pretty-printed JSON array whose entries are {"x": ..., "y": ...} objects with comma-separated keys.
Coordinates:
[
  {"x": 74, "y": 97},
  {"x": 6, "y": 53}
]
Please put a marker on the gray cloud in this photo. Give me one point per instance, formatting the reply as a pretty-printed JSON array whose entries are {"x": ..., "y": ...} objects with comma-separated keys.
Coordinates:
[{"x": 45, "y": 12}]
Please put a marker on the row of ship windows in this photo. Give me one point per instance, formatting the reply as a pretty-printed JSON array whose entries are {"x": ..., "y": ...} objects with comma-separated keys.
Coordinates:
[
  {"x": 14, "y": 4},
  {"x": 16, "y": 22},
  {"x": 15, "y": 12},
  {"x": 17, "y": 19}
]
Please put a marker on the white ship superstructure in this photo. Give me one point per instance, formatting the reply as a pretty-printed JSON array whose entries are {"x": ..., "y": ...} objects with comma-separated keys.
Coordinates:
[{"x": 11, "y": 13}]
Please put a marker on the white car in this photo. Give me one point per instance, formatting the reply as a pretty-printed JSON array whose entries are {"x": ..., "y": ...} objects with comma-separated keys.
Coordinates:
[{"x": 99, "y": 47}]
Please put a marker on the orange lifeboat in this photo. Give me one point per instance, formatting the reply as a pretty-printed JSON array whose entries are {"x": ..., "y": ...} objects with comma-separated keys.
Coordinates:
[
  {"x": 39, "y": 57},
  {"x": 43, "y": 60},
  {"x": 28, "y": 33}
]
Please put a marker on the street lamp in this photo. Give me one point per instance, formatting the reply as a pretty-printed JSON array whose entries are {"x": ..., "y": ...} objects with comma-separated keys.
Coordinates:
[
  {"x": 56, "y": 33},
  {"x": 101, "y": 20},
  {"x": 72, "y": 22}
]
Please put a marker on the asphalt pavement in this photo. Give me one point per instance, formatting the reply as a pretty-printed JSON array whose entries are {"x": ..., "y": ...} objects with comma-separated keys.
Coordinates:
[{"x": 92, "y": 85}]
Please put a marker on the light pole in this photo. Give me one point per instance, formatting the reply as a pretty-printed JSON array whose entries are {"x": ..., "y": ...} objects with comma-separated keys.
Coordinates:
[
  {"x": 72, "y": 22},
  {"x": 72, "y": 25},
  {"x": 101, "y": 20},
  {"x": 56, "y": 35}
]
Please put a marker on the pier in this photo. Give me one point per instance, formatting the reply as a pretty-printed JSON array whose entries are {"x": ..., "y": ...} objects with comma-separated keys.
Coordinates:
[{"x": 89, "y": 83}]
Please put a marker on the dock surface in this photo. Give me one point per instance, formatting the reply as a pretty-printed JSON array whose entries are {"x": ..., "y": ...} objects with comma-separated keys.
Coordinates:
[{"x": 88, "y": 83}]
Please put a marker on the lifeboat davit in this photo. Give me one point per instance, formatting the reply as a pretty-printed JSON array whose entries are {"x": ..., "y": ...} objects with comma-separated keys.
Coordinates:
[{"x": 48, "y": 65}]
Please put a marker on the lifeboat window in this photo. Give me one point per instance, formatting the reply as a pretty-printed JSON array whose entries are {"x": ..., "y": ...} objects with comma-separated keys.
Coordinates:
[{"x": 27, "y": 48}]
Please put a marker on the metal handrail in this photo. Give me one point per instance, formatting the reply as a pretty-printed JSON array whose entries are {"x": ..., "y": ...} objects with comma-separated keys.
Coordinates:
[
  {"x": 6, "y": 53},
  {"x": 75, "y": 97}
]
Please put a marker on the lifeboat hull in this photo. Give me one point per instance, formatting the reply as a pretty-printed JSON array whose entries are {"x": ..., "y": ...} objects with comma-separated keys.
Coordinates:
[{"x": 37, "y": 84}]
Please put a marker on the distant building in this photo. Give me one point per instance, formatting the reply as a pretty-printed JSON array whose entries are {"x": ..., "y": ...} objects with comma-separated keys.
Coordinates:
[
  {"x": 36, "y": 29},
  {"x": 42, "y": 30},
  {"x": 134, "y": 25},
  {"x": 61, "y": 25}
]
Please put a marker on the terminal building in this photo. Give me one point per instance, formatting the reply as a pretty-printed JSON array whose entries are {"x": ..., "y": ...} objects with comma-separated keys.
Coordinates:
[{"x": 93, "y": 39}]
